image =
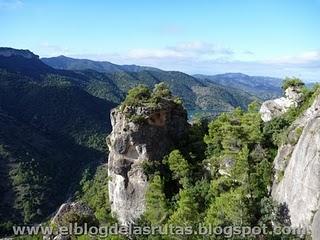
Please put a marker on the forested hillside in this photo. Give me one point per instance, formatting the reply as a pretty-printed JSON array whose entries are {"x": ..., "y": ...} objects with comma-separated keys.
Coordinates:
[
  {"x": 219, "y": 176},
  {"x": 50, "y": 130},
  {"x": 54, "y": 123},
  {"x": 200, "y": 93}
]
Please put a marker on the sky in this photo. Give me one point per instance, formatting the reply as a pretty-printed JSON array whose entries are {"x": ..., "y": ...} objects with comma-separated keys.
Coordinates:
[{"x": 257, "y": 37}]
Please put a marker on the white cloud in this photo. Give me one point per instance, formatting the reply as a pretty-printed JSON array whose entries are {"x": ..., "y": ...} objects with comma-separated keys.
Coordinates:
[
  {"x": 187, "y": 50},
  {"x": 198, "y": 47},
  {"x": 302, "y": 58},
  {"x": 154, "y": 53},
  {"x": 206, "y": 58}
]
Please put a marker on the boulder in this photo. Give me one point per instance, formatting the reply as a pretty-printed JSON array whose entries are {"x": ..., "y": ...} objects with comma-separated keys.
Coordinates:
[
  {"x": 276, "y": 107},
  {"x": 80, "y": 209}
]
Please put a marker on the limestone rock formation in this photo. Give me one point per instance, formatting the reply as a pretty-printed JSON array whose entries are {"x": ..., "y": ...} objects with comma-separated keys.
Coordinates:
[
  {"x": 276, "y": 107},
  {"x": 131, "y": 143},
  {"x": 67, "y": 214},
  {"x": 78, "y": 208},
  {"x": 297, "y": 170}
]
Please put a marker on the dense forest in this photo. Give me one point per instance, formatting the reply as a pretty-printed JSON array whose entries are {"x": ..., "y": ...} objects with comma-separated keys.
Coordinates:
[
  {"x": 53, "y": 125},
  {"x": 220, "y": 175}
]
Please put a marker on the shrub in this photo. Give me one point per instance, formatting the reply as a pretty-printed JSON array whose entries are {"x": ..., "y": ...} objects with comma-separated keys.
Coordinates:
[
  {"x": 161, "y": 90},
  {"x": 137, "y": 95},
  {"x": 142, "y": 96},
  {"x": 291, "y": 82}
]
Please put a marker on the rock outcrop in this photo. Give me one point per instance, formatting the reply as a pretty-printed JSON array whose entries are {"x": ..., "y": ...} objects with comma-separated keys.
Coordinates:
[
  {"x": 76, "y": 208},
  {"x": 69, "y": 213},
  {"x": 297, "y": 170},
  {"x": 132, "y": 142},
  {"x": 276, "y": 107}
]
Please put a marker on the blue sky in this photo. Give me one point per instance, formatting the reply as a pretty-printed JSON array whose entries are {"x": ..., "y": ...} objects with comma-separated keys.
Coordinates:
[{"x": 270, "y": 37}]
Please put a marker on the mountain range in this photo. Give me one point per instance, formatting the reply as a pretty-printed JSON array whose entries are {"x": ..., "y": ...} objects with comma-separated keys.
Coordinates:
[
  {"x": 67, "y": 63},
  {"x": 200, "y": 93},
  {"x": 264, "y": 87},
  {"x": 54, "y": 120}
]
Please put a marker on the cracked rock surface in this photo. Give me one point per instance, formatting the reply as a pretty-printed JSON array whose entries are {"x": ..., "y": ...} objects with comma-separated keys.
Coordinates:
[
  {"x": 132, "y": 143},
  {"x": 298, "y": 185}
]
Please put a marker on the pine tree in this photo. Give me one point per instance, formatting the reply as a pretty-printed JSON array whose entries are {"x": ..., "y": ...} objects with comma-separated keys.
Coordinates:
[
  {"x": 186, "y": 213},
  {"x": 156, "y": 204}
]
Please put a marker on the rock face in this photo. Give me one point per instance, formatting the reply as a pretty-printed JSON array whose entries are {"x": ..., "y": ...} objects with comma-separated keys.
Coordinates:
[
  {"x": 276, "y": 107},
  {"x": 297, "y": 166},
  {"x": 133, "y": 142},
  {"x": 78, "y": 208},
  {"x": 70, "y": 211}
]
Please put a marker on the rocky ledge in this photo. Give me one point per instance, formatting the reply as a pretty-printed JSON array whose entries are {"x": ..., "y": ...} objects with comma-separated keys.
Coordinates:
[{"x": 276, "y": 107}]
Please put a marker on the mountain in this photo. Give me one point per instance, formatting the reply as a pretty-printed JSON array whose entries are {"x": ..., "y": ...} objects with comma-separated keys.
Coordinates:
[
  {"x": 53, "y": 127},
  {"x": 54, "y": 122},
  {"x": 199, "y": 95},
  {"x": 50, "y": 129},
  {"x": 67, "y": 63},
  {"x": 264, "y": 87},
  {"x": 240, "y": 168},
  {"x": 22, "y": 61}
]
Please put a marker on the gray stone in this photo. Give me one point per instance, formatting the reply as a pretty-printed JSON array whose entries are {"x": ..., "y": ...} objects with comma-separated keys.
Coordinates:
[
  {"x": 79, "y": 208},
  {"x": 299, "y": 187},
  {"x": 130, "y": 144},
  {"x": 276, "y": 107},
  {"x": 62, "y": 237},
  {"x": 316, "y": 226}
]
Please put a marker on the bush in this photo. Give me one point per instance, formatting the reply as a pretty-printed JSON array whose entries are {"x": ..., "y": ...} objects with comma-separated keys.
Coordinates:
[
  {"x": 136, "y": 96},
  {"x": 161, "y": 90},
  {"x": 142, "y": 96},
  {"x": 292, "y": 82}
]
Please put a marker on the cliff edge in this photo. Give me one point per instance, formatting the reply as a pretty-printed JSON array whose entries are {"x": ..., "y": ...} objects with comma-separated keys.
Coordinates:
[{"x": 297, "y": 170}]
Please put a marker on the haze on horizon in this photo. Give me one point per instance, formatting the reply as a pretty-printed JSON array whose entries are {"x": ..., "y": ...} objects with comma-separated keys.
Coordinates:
[{"x": 273, "y": 38}]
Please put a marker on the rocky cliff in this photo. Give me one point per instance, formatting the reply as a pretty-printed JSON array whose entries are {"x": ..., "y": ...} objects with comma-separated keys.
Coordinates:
[
  {"x": 297, "y": 170},
  {"x": 139, "y": 134},
  {"x": 276, "y": 107}
]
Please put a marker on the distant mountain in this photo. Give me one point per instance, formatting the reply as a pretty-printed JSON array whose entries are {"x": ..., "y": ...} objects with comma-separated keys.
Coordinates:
[
  {"x": 199, "y": 95},
  {"x": 9, "y": 52},
  {"x": 67, "y": 63},
  {"x": 264, "y": 87},
  {"x": 23, "y": 61}
]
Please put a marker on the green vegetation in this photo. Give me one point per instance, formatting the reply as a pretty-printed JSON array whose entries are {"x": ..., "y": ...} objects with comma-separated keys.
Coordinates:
[
  {"x": 156, "y": 202},
  {"x": 292, "y": 82},
  {"x": 179, "y": 166},
  {"x": 50, "y": 130},
  {"x": 233, "y": 188},
  {"x": 141, "y": 96},
  {"x": 137, "y": 96},
  {"x": 94, "y": 192},
  {"x": 52, "y": 138},
  {"x": 278, "y": 129}
]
